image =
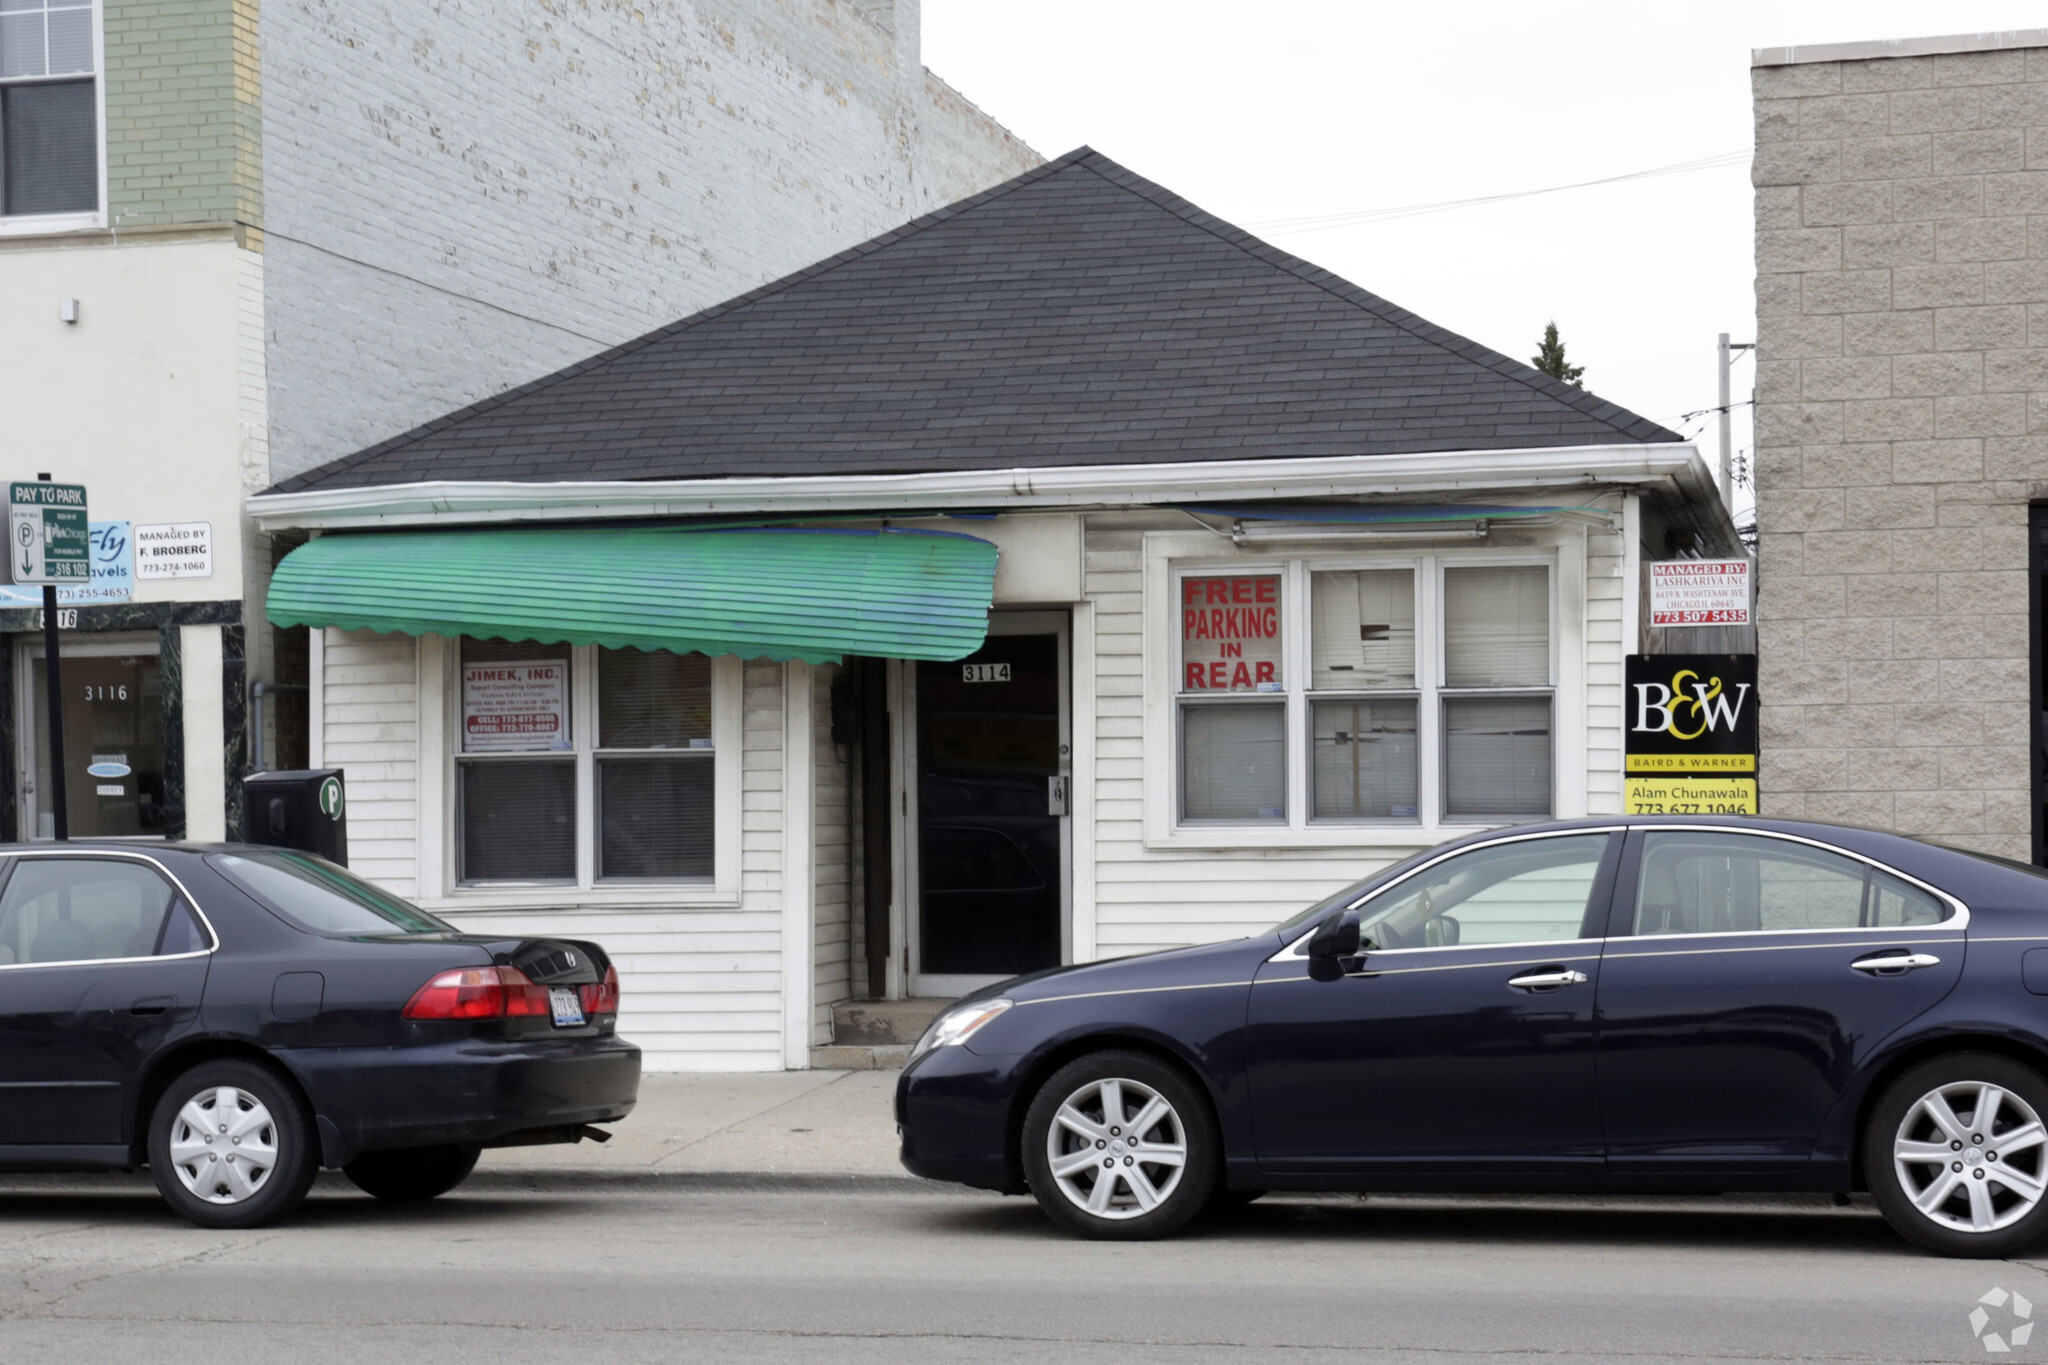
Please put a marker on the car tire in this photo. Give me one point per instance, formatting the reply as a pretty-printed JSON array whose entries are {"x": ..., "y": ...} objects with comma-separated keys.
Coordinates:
[
  {"x": 1074, "y": 1113},
  {"x": 1934, "y": 1167},
  {"x": 249, "y": 1123},
  {"x": 413, "y": 1175}
]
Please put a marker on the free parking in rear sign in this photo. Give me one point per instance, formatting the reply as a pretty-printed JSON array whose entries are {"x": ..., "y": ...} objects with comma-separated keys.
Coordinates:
[{"x": 48, "y": 539}]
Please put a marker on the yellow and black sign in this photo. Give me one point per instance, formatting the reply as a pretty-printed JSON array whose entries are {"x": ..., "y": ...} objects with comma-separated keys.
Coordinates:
[{"x": 1691, "y": 734}]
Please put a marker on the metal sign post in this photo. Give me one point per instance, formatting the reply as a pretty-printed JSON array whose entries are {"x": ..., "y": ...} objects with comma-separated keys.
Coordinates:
[{"x": 49, "y": 542}]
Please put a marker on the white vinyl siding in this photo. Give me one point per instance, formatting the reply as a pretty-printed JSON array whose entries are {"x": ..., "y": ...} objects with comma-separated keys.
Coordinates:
[
  {"x": 831, "y": 862},
  {"x": 1152, "y": 887},
  {"x": 700, "y": 968}
]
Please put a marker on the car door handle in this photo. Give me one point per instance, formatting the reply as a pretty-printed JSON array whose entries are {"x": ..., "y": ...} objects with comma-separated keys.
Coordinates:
[
  {"x": 1537, "y": 981},
  {"x": 155, "y": 1004},
  {"x": 1893, "y": 963}
]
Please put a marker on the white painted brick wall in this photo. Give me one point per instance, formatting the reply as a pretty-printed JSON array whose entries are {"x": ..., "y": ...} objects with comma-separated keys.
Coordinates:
[{"x": 463, "y": 196}]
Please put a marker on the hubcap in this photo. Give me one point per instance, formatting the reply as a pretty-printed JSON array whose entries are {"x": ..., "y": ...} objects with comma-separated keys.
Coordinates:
[
  {"x": 223, "y": 1145},
  {"x": 1972, "y": 1156},
  {"x": 1117, "y": 1148}
]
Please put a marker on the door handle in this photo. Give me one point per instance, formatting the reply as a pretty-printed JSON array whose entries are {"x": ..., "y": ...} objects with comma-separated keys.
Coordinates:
[
  {"x": 1891, "y": 964},
  {"x": 155, "y": 1004},
  {"x": 1537, "y": 981},
  {"x": 1056, "y": 795}
]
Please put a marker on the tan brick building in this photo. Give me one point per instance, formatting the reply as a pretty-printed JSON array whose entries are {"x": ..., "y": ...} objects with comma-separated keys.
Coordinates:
[{"x": 1902, "y": 431}]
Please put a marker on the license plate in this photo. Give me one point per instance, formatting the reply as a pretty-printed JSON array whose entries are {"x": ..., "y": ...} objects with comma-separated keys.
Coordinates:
[{"x": 568, "y": 1009}]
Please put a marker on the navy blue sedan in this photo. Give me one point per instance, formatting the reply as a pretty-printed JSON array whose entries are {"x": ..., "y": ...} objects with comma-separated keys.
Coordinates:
[
  {"x": 1653, "y": 1005},
  {"x": 235, "y": 1018}
]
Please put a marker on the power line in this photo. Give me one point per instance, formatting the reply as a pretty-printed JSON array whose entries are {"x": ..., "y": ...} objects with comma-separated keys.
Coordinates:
[{"x": 1360, "y": 217}]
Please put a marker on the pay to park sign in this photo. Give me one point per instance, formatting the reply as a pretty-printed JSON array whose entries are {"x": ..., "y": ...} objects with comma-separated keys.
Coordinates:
[
  {"x": 1692, "y": 734},
  {"x": 48, "y": 537}
]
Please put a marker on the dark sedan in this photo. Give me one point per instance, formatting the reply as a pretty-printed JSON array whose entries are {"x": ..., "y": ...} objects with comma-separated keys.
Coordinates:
[
  {"x": 236, "y": 1018},
  {"x": 1598, "y": 1006}
]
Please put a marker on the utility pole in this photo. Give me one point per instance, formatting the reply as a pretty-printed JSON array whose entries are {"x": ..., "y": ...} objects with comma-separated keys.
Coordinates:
[{"x": 1725, "y": 355}]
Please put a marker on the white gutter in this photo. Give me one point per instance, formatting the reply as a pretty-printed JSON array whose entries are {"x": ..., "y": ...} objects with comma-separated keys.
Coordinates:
[{"x": 474, "y": 502}]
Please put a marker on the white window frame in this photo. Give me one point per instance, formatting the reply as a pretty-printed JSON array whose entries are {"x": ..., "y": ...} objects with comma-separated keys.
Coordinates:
[
  {"x": 440, "y": 829},
  {"x": 36, "y": 224},
  {"x": 1170, "y": 556}
]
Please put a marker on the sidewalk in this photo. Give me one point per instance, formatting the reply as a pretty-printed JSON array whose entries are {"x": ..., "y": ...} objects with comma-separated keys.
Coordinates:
[{"x": 771, "y": 1124}]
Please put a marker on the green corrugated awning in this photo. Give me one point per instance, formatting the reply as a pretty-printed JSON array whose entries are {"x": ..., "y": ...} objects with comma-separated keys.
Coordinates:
[{"x": 759, "y": 593}]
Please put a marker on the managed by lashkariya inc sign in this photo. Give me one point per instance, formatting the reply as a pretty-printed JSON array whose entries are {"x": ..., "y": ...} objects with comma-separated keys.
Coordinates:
[
  {"x": 1700, "y": 592},
  {"x": 1691, "y": 740}
]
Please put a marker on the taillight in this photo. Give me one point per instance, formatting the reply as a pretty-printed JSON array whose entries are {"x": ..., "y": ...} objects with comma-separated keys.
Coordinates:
[
  {"x": 477, "y": 993},
  {"x": 601, "y": 997}
]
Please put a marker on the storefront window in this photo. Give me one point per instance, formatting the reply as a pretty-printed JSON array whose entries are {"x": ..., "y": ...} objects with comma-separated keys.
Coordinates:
[
  {"x": 1424, "y": 693},
  {"x": 113, "y": 741},
  {"x": 551, "y": 781}
]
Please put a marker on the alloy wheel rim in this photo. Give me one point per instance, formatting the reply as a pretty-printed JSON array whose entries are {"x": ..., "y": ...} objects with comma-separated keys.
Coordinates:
[
  {"x": 1117, "y": 1148},
  {"x": 223, "y": 1145},
  {"x": 1972, "y": 1156}
]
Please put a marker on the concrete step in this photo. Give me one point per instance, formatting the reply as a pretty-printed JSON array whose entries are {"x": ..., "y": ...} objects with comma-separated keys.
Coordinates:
[
  {"x": 883, "y": 1023},
  {"x": 835, "y": 1057}
]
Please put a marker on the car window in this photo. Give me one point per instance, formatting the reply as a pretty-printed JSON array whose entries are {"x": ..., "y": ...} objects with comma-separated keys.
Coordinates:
[
  {"x": 1704, "y": 883},
  {"x": 1528, "y": 891},
  {"x": 82, "y": 910},
  {"x": 318, "y": 895}
]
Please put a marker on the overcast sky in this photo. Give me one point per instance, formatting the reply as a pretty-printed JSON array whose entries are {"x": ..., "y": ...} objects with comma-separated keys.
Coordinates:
[{"x": 1289, "y": 109}]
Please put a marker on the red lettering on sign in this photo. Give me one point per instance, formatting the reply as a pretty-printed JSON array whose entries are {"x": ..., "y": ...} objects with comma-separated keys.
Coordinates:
[
  {"x": 1217, "y": 671},
  {"x": 1194, "y": 682},
  {"x": 1232, "y": 649},
  {"x": 1241, "y": 676},
  {"x": 1265, "y": 667}
]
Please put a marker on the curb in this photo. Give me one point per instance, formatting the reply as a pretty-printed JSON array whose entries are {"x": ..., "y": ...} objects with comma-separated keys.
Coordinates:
[{"x": 540, "y": 1178}]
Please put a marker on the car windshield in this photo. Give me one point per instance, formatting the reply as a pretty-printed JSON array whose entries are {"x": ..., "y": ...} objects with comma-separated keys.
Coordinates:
[
  {"x": 317, "y": 895},
  {"x": 1351, "y": 893}
]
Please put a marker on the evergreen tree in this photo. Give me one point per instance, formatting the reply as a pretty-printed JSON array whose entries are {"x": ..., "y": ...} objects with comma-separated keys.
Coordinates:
[{"x": 1550, "y": 359}]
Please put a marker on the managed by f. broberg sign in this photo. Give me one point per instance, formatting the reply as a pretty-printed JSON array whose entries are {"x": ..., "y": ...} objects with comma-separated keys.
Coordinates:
[
  {"x": 1230, "y": 633},
  {"x": 1692, "y": 734}
]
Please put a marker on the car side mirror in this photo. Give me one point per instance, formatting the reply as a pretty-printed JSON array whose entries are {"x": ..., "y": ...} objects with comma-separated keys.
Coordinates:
[{"x": 1337, "y": 937}]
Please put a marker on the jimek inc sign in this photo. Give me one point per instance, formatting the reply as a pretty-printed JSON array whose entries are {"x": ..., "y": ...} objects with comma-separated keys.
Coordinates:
[
  {"x": 522, "y": 705},
  {"x": 1691, "y": 736},
  {"x": 1700, "y": 592}
]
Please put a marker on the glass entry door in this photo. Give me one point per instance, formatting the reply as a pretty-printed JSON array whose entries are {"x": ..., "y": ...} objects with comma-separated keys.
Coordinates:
[
  {"x": 113, "y": 739},
  {"x": 991, "y": 833}
]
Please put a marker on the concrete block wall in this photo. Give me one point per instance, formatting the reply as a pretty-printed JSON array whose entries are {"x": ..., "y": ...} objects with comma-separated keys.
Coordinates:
[
  {"x": 463, "y": 196},
  {"x": 1902, "y": 429}
]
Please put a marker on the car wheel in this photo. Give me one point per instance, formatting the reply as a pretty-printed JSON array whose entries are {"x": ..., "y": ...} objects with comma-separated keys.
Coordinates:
[
  {"x": 230, "y": 1145},
  {"x": 1121, "y": 1145},
  {"x": 1957, "y": 1157},
  {"x": 418, "y": 1173}
]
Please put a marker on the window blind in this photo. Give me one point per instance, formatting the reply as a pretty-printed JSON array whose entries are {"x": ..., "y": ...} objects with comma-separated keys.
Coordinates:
[
  {"x": 1234, "y": 762},
  {"x": 1363, "y": 625},
  {"x": 1497, "y": 627}
]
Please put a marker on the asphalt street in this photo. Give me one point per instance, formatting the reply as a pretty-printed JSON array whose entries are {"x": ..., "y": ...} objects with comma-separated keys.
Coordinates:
[{"x": 519, "y": 1266}]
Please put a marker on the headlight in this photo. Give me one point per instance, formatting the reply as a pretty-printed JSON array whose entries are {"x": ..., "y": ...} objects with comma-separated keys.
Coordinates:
[{"x": 958, "y": 1024}]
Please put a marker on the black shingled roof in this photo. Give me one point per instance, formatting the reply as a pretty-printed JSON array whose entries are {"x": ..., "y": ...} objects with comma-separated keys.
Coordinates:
[{"x": 1076, "y": 315}]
